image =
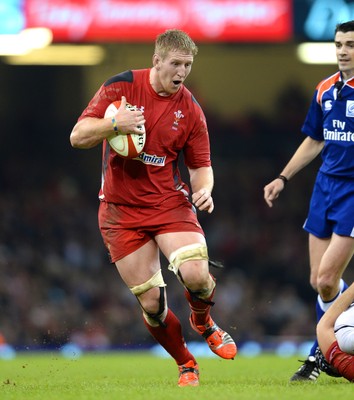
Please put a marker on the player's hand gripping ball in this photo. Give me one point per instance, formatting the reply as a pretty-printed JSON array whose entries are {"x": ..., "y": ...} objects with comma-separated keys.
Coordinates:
[{"x": 126, "y": 145}]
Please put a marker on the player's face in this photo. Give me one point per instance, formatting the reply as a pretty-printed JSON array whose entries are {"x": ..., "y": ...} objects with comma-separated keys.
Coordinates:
[
  {"x": 345, "y": 53},
  {"x": 173, "y": 71}
]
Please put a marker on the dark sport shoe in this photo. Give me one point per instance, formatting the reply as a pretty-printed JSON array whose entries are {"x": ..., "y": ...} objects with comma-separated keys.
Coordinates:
[
  {"x": 307, "y": 372},
  {"x": 324, "y": 366}
]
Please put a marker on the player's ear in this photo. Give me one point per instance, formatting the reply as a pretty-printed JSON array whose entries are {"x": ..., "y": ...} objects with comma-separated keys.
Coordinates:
[{"x": 156, "y": 61}]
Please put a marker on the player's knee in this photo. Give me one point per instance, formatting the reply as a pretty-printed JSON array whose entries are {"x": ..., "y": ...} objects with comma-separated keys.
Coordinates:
[
  {"x": 155, "y": 311},
  {"x": 327, "y": 287},
  {"x": 150, "y": 300},
  {"x": 202, "y": 292},
  {"x": 195, "y": 278},
  {"x": 151, "y": 297},
  {"x": 190, "y": 265},
  {"x": 203, "y": 287}
]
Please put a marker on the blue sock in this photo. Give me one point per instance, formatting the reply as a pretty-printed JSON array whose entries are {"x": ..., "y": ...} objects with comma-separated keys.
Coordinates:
[{"x": 322, "y": 307}]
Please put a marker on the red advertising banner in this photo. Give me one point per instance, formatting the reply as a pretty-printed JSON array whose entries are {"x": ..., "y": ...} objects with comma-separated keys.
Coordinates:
[{"x": 141, "y": 20}]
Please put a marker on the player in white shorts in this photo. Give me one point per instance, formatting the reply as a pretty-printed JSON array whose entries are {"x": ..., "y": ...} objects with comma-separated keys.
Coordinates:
[{"x": 344, "y": 330}]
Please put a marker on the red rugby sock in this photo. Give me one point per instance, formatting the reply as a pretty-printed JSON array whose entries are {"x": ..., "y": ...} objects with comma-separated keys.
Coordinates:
[
  {"x": 171, "y": 339},
  {"x": 200, "y": 309}
]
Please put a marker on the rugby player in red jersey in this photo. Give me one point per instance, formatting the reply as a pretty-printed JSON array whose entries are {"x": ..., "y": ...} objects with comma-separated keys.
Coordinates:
[
  {"x": 145, "y": 207},
  {"x": 335, "y": 335}
]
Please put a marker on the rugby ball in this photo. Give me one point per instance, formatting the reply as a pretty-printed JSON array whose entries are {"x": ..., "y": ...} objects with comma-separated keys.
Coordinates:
[{"x": 126, "y": 145}]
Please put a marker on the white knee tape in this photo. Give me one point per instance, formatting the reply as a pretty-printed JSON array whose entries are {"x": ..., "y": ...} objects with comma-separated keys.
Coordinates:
[
  {"x": 153, "y": 321},
  {"x": 155, "y": 281},
  {"x": 196, "y": 251}
]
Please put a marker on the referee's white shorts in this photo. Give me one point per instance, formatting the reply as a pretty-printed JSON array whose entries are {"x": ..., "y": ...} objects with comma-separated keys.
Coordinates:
[{"x": 344, "y": 330}]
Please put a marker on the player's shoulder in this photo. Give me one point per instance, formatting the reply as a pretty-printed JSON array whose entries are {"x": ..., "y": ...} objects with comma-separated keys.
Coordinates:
[
  {"x": 128, "y": 76},
  {"x": 192, "y": 107},
  {"x": 191, "y": 100},
  {"x": 328, "y": 82},
  {"x": 325, "y": 85},
  {"x": 195, "y": 102}
]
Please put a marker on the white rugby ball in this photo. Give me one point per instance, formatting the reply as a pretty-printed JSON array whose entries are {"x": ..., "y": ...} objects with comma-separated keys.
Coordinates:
[{"x": 126, "y": 145}]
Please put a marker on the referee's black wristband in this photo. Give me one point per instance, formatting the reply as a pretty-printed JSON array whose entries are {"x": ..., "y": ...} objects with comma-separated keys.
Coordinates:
[{"x": 283, "y": 178}]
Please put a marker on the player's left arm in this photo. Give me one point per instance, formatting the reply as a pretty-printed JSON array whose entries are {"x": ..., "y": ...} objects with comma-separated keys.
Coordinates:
[
  {"x": 202, "y": 183},
  {"x": 197, "y": 160}
]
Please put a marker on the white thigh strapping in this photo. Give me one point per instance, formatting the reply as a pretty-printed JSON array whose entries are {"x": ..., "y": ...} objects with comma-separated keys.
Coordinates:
[{"x": 344, "y": 330}]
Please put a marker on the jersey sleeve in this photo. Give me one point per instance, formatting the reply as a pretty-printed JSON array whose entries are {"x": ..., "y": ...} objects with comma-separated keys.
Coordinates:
[
  {"x": 313, "y": 125},
  {"x": 98, "y": 104},
  {"x": 197, "y": 148},
  {"x": 110, "y": 91}
]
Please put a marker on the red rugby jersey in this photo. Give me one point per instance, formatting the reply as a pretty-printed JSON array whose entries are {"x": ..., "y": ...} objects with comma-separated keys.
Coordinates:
[{"x": 173, "y": 125}]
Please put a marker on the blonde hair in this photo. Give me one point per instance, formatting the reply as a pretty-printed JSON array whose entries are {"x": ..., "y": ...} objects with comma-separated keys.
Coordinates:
[{"x": 172, "y": 40}]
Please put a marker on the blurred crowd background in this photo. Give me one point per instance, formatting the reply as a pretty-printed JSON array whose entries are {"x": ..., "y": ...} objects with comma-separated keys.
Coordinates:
[{"x": 56, "y": 283}]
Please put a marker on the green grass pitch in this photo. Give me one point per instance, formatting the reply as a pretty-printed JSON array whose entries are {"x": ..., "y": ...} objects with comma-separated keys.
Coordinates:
[{"x": 142, "y": 376}]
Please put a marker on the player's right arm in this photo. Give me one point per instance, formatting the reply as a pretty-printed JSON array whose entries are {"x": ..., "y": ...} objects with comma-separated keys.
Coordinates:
[
  {"x": 88, "y": 132},
  {"x": 306, "y": 152}
]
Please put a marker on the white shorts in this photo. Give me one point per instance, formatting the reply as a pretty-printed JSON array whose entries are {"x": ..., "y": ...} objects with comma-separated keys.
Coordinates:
[{"x": 344, "y": 330}]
